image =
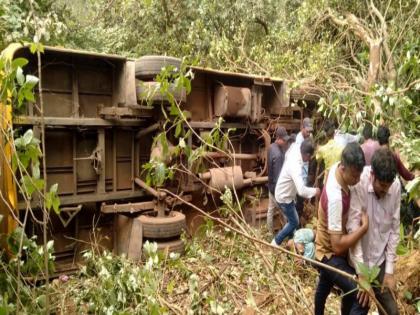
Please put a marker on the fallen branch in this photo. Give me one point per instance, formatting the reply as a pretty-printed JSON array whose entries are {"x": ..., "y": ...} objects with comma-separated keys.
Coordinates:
[{"x": 256, "y": 240}]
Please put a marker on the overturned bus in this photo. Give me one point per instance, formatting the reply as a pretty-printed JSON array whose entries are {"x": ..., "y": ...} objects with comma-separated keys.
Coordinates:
[{"x": 101, "y": 124}]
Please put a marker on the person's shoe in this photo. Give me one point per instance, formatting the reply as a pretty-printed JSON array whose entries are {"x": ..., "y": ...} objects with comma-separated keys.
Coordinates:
[{"x": 273, "y": 242}]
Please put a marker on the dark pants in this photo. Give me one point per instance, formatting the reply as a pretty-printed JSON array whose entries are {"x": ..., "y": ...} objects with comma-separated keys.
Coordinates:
[
  {"x": 292, "y": 224},
  {"x": 327, "y": 279},
  {"x": 385, "y": 298},
  {"x": 300, "y": 204}
]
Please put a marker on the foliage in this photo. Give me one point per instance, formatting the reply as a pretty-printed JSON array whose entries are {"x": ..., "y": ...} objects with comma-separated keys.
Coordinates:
[
  {"x": 15, "y": 87},
  {"x": 413, "y": 188},
  {"x": 114, "y": 285},
  {"x": 27, "y": 262},
  {"x": 220, "y": 273},
  {"x": 157, "y": 173},
  {"x": 24, "y": 20},
  {"x": 33, "y": 254},
  {"x": 28, "y": 259},
  {"x": 368, "y": 276},
  {"x": 175, "y": 126},
  {"x": 291, "y": 39}
]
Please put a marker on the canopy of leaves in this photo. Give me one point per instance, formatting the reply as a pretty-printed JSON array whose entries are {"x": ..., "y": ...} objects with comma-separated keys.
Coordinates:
[{"x": 312, "y": 42}]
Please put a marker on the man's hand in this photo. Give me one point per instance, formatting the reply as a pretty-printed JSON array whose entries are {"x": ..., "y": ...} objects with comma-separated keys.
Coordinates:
[
  {"x": 318, "y": 192},
  {"x": 389, "y": 282},
  {"x": 299, "y": 262},
  {"x": 363, "y": 297}
]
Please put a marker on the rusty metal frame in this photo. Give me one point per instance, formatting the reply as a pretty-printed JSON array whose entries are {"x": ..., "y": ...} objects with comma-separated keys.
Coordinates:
[
  {"x": 135, "y": 207},
  {"x": 72, "y": 121}
]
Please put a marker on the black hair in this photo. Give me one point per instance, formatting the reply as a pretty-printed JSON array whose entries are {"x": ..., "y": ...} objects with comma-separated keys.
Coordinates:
[
  {"x": 352, "y": 156},
  {"x": 383, "y": 135},
  {"x": 307, "y": 147},
  {"x": 383, "y": 165},
  {"x": 292, "y": 138},
  {"x": 329, "y": 127},
  {"x": 367, "y": 132}
]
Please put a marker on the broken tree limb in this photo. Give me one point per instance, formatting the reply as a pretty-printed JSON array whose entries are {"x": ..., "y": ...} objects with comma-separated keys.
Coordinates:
[
  {"x": 389, "y": 65},
  {"x": 261, "y": 242},
  {"x": 366, "y": 35},
  {"x": 218, "y": 220},
  {"x": 149, "y": 189}
]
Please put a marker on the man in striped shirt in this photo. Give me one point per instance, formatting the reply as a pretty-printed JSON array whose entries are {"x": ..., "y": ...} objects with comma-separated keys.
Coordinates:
[
  {"x": 379, "y": 192},
  {"x": 332, "y": 239}
]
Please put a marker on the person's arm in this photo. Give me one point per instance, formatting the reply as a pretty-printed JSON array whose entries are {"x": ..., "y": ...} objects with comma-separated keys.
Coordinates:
[
  {"x": 402, "y": 170},
  {"x": 353, "y": 223},
  {"x": 302, "y": 190},
  {"x": 279, "y": 165},
  {"x": 341, "y": 243},
  {"x": 270, "y": 170}
]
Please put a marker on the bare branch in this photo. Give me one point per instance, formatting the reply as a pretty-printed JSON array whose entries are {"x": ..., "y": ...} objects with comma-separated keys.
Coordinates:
[{"x": 391, "y": 73}]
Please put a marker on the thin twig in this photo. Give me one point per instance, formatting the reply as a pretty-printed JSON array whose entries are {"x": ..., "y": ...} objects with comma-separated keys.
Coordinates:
[{"x": 44, "y": 171}]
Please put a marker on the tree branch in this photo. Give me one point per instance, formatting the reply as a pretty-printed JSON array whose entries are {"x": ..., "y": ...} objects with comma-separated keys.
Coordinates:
[{"x": 391, "y": 74}]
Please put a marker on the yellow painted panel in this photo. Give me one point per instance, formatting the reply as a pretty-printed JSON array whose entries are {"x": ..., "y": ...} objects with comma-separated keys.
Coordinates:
[{"x": 9, "y": 200}]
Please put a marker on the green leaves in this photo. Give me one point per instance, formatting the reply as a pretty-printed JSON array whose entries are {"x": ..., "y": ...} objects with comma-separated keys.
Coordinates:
[
  {"x": 19, "y": 63},
  {"x": 52, "y": 200},
  {"x": 15, "y": 87},
  {"x": 402, "y": 248},
  {"x": 413, "y": 188},
  {"x": 33, "y": 264},
  {"x": 116, "y": 285},
  {"x": 157, "y": 173},
  {"x": 31, "y": 185},
  {"x": 368, "y": 275},
  {"x": 26, "y": 159},
  {"x": 35, "y": 47}
]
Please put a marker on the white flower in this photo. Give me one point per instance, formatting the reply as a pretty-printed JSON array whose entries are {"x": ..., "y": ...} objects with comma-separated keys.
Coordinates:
[{"x": 174, "y": 256}]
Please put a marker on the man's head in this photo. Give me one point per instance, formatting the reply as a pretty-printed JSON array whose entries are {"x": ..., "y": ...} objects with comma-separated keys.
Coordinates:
[
  {"x": 352, "y": 163},
  {"x": 367, "y": 132},
  {"x": 307, "y": 150},
  {"x": 329, "y": 128},
  {"x": 282, "y": 137},
  {"x": 383, "y": 135},
  {"x": 306, "y": 127},
  {"x": 292, "y": 138},
  {"x": 383, "y": 171}
]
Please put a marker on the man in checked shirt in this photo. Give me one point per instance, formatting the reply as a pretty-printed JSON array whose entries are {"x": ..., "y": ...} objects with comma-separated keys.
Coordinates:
[{"x": 379, "y": 192}]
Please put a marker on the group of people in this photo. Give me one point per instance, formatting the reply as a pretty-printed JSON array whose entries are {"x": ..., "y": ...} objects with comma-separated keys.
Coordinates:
[{"x": 358, "y": 211}]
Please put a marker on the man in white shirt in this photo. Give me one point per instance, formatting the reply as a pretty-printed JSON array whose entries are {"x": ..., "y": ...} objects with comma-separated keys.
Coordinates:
[
  {"x": 344, "y": 138},
  {"x": 379, "y": 192},
  {"x": 305, "y": 133},
  {"x": 289, "y": 184}
]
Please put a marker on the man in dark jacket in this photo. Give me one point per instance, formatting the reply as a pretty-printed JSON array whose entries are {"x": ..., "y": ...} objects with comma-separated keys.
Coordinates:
[{"x": 275, "y": 162}]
